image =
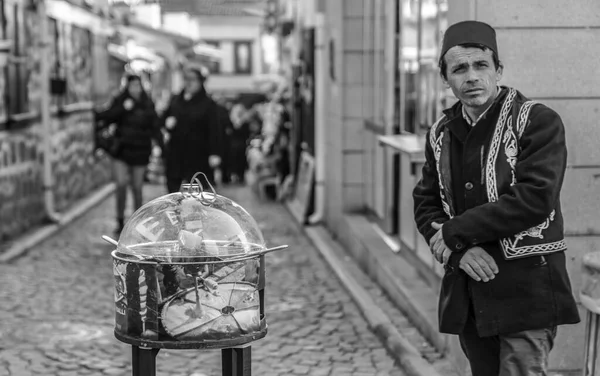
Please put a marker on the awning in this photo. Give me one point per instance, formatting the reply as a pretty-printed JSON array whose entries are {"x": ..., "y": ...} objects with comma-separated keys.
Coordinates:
[{"x": 208, "y": 50}]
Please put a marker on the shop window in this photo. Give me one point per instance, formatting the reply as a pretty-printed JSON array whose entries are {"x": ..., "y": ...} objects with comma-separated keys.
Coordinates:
[
  {"x": 422, "y": 95},
  {"x": 79, "y": 70},
  {"x": 242, "y": 57},
  {"x": 71, "y": 60},
  {"x": 3, "y": 72},
  {"x": 16, "y": 98},
  {"x": 31, "y": 70},
  {"x": 214, "y": 65},
  {"x": 56, "y": 71}
]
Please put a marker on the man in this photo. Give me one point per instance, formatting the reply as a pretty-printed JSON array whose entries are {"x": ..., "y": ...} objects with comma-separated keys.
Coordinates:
[
  {"x": 192, "y": 124},
  {"x": 488, "y": 204}
]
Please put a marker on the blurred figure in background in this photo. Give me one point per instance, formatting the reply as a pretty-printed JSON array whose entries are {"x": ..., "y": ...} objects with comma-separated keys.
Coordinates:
[
  {"x": 133, "y": 117},
  {"x": 240, "y": 119},
  {"x": 195, "y": 136},
  {"x": 223, "y": 109}
]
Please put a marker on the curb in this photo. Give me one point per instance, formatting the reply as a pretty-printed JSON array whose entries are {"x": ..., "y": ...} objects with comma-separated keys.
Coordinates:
[
  {"x": 409, "y": 358},
  {"x": 29, "y": 240}
]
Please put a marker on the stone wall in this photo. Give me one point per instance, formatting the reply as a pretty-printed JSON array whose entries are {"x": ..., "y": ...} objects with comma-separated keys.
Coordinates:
[
  {"x": 21, "y": 190},
  {"x": 75, "y": 169}
]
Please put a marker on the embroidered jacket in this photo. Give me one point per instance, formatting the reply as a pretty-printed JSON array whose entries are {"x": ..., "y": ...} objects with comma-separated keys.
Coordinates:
[
  {"x": 496, "y": 185},
  {"x": 523, "y": 212}
]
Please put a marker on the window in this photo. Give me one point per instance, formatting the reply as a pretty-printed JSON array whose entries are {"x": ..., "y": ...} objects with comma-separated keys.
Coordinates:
[
  {"x": 242, "y": 57},
  {"x": 19, "y": 79},
  {"x": 4, "y": 72},
  {"x": 79, "y": 70},
  {"x": 32, "y": 70},
  {"x": 422, "y": 96},
  {"x": 214, "y": 65},
  {"x": 16, "y": 99},
  {"x": 71, "y": 59}
]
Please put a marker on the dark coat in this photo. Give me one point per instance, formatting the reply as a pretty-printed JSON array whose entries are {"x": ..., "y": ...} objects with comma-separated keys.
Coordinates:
[
  {"x": 197, "y": 135},
  {"x": 530, "y": 292},
  {"x": 136, "y": 128}
]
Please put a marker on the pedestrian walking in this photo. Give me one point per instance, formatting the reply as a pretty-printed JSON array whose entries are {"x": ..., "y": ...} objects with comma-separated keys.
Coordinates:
[
  {"x": 488, "y": 204},
  {"x": 134, "y": 119},
  {"x": 194, "y": 133}
]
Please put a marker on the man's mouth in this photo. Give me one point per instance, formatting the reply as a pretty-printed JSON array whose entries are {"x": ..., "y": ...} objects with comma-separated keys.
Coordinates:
[{"x": 473, "y": 91}]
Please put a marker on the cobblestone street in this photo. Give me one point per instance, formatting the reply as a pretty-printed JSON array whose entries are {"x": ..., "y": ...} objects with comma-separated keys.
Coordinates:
[{"x": 57, "y": 308}]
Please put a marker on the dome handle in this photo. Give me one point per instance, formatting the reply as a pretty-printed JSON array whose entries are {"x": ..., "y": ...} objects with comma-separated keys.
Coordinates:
[{"x": 203, "y": 200}]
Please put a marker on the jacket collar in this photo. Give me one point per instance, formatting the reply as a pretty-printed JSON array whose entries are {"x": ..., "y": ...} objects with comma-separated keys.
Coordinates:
[{"x": 457, "y": 124}]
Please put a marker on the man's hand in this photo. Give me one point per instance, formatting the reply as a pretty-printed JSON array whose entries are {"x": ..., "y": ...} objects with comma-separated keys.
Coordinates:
[
  {"x": 170, "y": 122},
  {"x": 438, "y": 247},
  {"x": 128, "y": 104},
  {"x": 478, "y": 264}
]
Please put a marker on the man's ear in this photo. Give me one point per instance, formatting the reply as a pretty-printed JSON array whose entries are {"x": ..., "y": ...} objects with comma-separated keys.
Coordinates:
[
  {"x": 445, "y": 82},
  {"x": 499, "y": 72}
]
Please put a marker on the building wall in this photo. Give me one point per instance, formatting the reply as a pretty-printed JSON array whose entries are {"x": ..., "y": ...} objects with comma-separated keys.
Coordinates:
[
  {"x": 181, "y": 23},
  {"x": 335, "y": 97},
  {"x": 76, "y": 172}
]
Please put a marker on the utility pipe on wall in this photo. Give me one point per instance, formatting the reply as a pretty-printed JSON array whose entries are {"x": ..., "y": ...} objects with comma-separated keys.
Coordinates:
[
  {"x": 48, "y": 180},
  {"x": 320, "y": 108}
]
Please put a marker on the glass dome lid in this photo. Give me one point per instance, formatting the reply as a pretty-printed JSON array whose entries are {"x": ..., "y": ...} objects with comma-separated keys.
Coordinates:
[{"x": 192, "y": 225}]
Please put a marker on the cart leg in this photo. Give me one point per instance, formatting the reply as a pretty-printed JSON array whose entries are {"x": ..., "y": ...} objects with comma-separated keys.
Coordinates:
[
  {"x": 144, "y": 361},
  {"x": 591, "y": 344},
  {"x": 237, "y": 361}
]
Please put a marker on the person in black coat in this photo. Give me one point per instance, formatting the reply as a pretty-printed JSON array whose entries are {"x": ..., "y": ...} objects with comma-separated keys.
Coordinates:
[
  {"x": 195, "y": 133},
  {"x": 488, "y": 204},
  {"x": 133, "y": 117}
]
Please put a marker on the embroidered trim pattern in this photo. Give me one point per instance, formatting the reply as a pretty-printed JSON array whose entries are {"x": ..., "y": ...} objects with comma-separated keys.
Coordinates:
[
  {"x": 508, "y": 133},
  {"x": 436, "y": 145},
  {"x": 511, "y": 150},
  {"x": 538, "y": 249},
  {"x": 492, "y": 188},
  {"x": 536, "y": 231},
  {"x": 524, "y": 116}
]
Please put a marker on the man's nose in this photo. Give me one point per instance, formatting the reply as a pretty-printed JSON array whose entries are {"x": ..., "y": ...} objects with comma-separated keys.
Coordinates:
[{"x": 472, "y": 76}]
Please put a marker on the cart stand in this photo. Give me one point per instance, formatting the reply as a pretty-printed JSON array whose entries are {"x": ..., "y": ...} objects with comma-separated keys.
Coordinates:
[
  {"x": 144, "y": 361},
  {"x": 236, "y": 361}
]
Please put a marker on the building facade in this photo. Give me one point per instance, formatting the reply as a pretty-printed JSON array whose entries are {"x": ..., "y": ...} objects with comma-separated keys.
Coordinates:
[
  {"x": 377, "y": 92},
  {"x": 58, "y": 60},
  {"x": 234, "y": 28}
]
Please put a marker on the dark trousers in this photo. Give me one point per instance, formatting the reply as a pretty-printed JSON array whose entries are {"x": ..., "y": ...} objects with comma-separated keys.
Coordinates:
[
  {"x": 516, "y": 354},
  {"x": 237, "y": 159}
]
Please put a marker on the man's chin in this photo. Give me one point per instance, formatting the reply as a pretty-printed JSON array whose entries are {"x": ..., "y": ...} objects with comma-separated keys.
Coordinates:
[{"x": 475, "y": 101}]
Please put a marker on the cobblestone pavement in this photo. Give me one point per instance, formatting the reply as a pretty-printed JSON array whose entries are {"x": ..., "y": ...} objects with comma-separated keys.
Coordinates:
[{"x": 57, "y": 310}]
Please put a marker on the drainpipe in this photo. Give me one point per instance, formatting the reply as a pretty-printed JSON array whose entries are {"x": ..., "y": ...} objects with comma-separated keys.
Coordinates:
[
  {"x": 46, "y": 119},
  {"x": 320, "y": 106}
]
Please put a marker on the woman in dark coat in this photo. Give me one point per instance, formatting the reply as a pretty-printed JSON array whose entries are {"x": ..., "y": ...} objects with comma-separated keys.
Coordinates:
[
  {"x": 132, "y": 112},
  {"x": 194, "y": 132}
]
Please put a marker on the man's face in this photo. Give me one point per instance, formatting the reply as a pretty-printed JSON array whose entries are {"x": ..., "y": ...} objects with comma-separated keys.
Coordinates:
[
  {"x": 192, "y": 82},
  {"x": 472, "y": 76}
]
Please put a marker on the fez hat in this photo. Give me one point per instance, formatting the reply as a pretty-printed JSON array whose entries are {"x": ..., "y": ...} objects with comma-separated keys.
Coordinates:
[{"x": 466, "y": 32}]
